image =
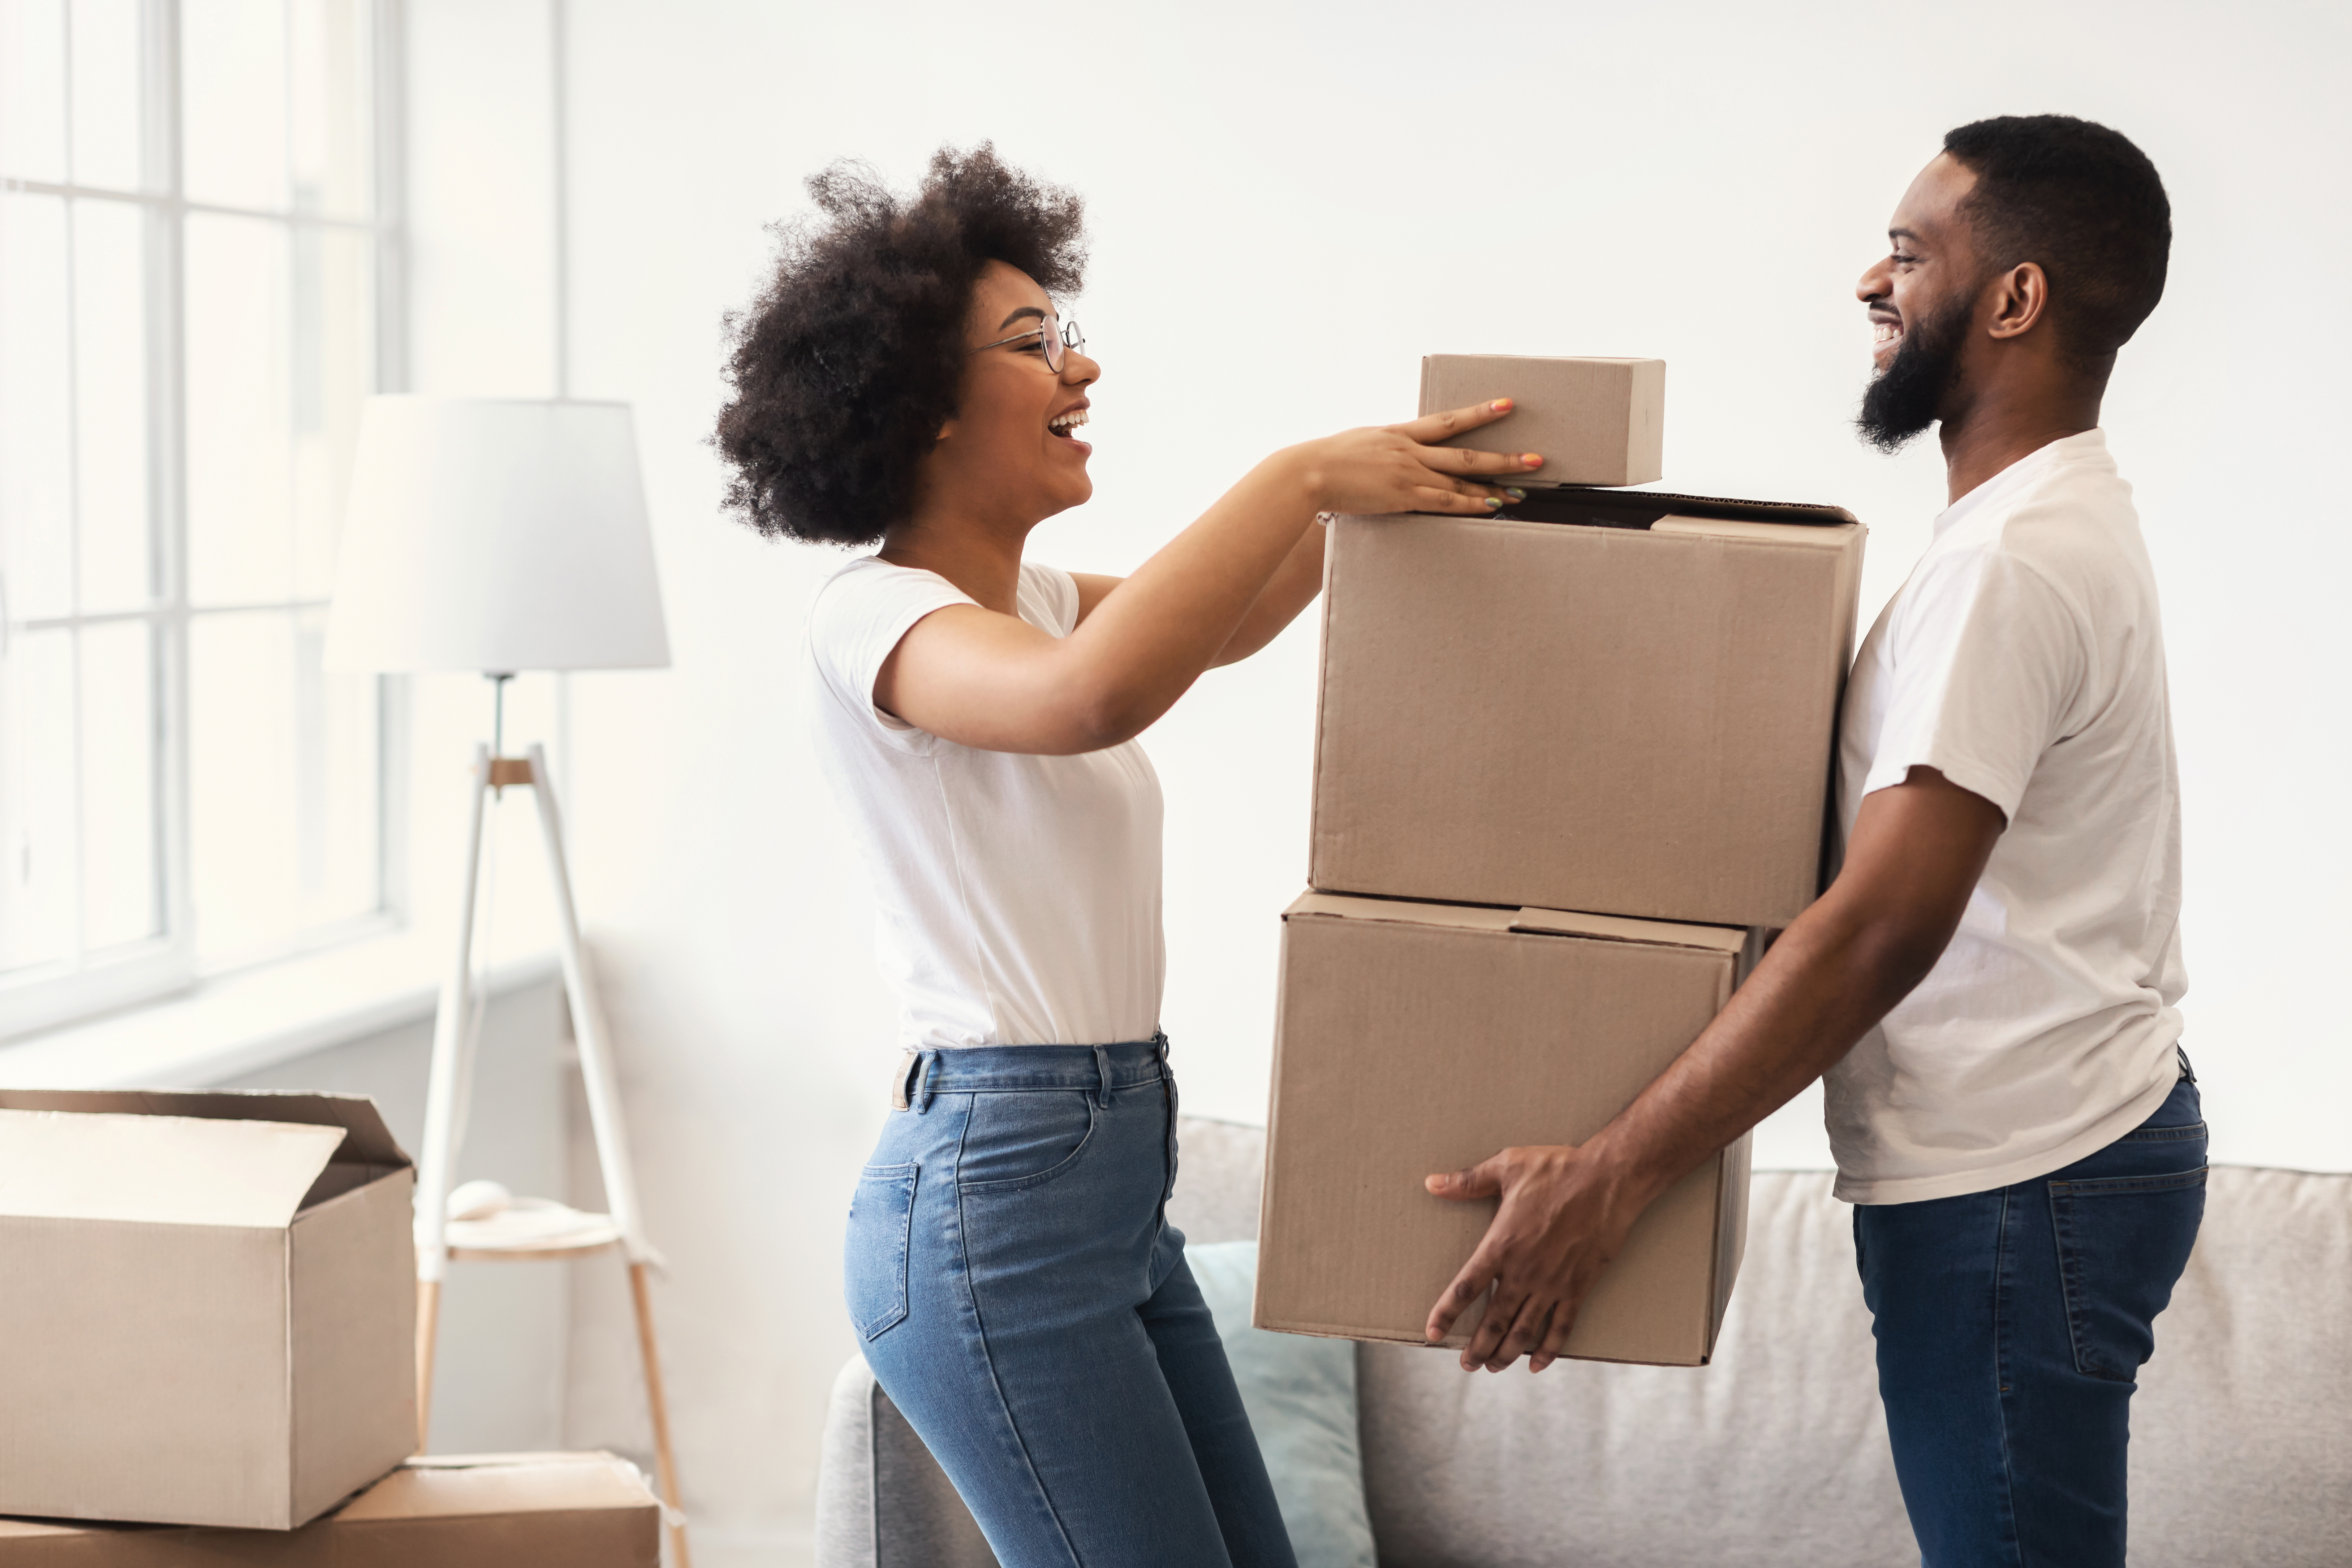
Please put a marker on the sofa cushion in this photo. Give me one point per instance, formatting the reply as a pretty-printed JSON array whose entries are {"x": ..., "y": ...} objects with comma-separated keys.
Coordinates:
[
  {"x": 1300, "y": 1395},
  {"x": 1776, "y": 1454}
]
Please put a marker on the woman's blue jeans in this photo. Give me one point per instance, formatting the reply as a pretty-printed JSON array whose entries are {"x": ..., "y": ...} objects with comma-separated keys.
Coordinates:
[
  {"x": 2011, "y": 1325},
  {"x": 1025, "y": 1304}
]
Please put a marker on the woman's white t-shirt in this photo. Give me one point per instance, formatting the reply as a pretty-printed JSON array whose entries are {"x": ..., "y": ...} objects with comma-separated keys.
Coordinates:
[{"x": 1017, "y": 896}]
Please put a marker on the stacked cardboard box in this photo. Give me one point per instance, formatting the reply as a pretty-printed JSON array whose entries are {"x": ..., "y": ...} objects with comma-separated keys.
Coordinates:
[
  {"x": 207, "y": 1342},
  {"x": 496, "y": 1510},
  {"x": 1572, "y": 765}
]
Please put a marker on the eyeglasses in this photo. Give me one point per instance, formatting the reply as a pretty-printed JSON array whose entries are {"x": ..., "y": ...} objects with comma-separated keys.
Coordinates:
[{"x": 1056, "y": 336}]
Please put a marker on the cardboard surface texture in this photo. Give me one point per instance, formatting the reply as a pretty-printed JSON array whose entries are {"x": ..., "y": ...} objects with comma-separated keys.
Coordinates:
[
  {"x": 1598, "y": 700},
  {"x": 208, "y": 1305},
  {"x": 1596, "y": 421},
  {"x": 491, "y": 1511},
  {"x": 1413, "y": 1038}
]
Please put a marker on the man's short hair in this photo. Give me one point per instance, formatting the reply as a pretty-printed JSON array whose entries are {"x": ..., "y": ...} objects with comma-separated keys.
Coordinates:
[{"x": 2084, "y": 203}]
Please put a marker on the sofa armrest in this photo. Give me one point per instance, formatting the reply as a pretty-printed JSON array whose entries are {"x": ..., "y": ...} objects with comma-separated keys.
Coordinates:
[{"x": 882, "y": 1501}]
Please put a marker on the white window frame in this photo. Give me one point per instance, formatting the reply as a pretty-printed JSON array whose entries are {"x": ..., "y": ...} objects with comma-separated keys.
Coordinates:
[{"x": 88, "y": 984}]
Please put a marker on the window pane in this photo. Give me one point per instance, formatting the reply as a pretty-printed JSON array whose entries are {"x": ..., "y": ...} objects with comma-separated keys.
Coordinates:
[
  {"x": 243, "y": 782},
  {"x": 110, "y": 404},
  {"x": 35, "y": 382},
  {"x": 335, "y": 732},
  {"x": 233, "y": 101},
  {"x": 240, "y": 522},
  {"x": 330, "y": 142},
  {"x": 118, "y": 784},
  {"x": 334, "y": 337},
  {"x": 36, "y": 790},
  {"x": 33, "y": 89},
  {"x": 107, "y": 124}
]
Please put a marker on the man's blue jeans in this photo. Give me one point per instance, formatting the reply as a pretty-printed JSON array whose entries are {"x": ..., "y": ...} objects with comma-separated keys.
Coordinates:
[
  {"x": 1025, "y": 1304},
  {"x": 2011, "y": 1325}
]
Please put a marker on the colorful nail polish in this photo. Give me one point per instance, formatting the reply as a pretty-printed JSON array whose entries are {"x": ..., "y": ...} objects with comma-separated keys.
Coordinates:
[
  {"x": 1532, "y": 459},
  {"x": 1515, "y": 492},
  {"x": 1494, "y": 503},
  {"x": 1501, "y": 405}
]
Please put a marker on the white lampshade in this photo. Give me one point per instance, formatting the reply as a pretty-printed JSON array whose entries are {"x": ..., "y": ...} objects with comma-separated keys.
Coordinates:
[{"x": 495, "y": 534}]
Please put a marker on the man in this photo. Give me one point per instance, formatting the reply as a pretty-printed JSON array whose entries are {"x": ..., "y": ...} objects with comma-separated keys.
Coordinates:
[{"x": 1990, "y": 983}]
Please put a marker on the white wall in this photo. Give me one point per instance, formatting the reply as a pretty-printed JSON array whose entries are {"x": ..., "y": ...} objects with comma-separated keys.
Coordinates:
[{"x": 1290, "y": 205}]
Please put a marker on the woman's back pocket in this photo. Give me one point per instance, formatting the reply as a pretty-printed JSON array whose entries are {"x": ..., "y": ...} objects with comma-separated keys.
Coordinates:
[{"x": 881, "y": 1223}]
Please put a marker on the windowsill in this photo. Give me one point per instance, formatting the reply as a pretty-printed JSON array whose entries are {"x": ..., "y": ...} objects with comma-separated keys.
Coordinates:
[{"x": 250, "y": 1021}]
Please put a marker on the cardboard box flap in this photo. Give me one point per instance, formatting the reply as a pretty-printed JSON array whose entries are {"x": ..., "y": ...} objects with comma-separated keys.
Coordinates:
[
  {"x": 445, "y": 1486},
  {"x": 1466, "y": 917},
  {"x": 158, "y": 1170},
  {"x": 1614, "y": 928},
  {"x": 366, "y": 1140},
  {"x": 1593, "y": 506}
]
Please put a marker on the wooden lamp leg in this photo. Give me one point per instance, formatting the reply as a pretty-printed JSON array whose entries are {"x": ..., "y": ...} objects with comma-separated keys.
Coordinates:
[
  {"x": 664, "y": 1465},
  {"x": 428, "y": 1321}
]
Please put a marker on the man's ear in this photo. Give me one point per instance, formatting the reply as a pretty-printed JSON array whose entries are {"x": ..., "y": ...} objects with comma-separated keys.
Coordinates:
[{"x": 2021, "y": 299}]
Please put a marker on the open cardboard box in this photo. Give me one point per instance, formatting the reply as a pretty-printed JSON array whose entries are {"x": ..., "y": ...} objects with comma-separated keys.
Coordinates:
[
  {"x": 487, "y": 1510},
  {"x": 1417, "y": 1038},
  {"x": 1620, "y": 700},
  {"x": 207, "y": 1305}
]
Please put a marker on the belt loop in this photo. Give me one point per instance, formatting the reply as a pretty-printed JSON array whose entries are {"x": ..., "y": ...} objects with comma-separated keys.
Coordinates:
[
  {"x": 1102, "y": 1075},
  {"x": 2187, "y": 1072},
  {"x": 921, "y": 1098}
]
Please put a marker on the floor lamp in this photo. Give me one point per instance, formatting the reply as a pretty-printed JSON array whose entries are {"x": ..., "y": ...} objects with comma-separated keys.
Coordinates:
[{"x": 500, "y": 535}]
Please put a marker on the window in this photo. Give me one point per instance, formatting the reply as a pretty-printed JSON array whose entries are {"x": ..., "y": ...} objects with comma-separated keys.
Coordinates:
[{"x": 192, "y": 248}]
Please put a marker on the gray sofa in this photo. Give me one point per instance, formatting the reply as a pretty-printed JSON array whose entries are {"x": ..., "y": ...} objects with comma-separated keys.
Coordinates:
[{"x": 1777, "y": 1452}]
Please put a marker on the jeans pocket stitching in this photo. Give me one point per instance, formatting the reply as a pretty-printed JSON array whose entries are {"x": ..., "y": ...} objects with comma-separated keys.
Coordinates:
[
  {"x": 2108, "y": 1186},
  {"x": 2194, "y": 1129},
  {"x": 1016, "y": 1183},
  {"x": 2073, "y": 1288},
  {"x": 898, "y": 1305}
]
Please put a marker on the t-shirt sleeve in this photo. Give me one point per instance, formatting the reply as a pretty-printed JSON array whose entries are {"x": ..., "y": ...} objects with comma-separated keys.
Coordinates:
[
  {"x": 1056, "y": 593},
  {"x": 857, "y": 620},
  {"x": 1988, "y": 656}
]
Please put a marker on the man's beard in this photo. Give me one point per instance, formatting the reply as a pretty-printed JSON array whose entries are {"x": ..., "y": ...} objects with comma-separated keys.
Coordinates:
[{"x": 1902, "y": 400}]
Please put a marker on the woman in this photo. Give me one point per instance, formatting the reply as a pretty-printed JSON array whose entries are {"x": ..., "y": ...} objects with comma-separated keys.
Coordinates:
[{"x": 906, "y": 379}]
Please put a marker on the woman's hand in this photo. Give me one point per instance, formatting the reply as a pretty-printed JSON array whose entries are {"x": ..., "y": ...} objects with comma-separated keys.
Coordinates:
[{"x": 1398, "y": 467}]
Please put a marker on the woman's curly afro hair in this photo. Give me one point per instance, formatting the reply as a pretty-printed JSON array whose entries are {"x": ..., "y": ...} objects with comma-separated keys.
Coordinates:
[{"x": 847, "y": 364}]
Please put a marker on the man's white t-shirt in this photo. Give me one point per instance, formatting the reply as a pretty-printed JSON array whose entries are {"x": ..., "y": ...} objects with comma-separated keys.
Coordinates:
[
  {"x": 1017, "y": 896},
  {"x": 2024, "y": 660}
]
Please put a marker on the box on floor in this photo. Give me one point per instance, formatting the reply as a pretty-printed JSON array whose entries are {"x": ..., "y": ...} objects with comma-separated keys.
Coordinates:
[
  {"x": 491, "y": 1511},
  {"x": 1623, "y": 701},
  {"x": 208, "y": 1304},
  {"x": 1413, "y": 1038}
]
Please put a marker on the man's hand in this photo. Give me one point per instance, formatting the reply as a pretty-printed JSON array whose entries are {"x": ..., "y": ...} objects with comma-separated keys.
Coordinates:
[
  {"x": 1562, "y": 1219},
  {"x": 1911, "y": 863}
]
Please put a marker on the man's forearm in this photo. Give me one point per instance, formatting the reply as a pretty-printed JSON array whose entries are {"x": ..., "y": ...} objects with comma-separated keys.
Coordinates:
[{"x": 1832, "y": 975}]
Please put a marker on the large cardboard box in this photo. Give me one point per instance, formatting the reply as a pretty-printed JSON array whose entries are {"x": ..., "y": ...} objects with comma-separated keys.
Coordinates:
[
  {"x": 1415, "y": 1039},
  {"x": 207, "y": 1305},
  {"x": 1623, "y": 701},
  {"x": 1596, "y": 421},
  {"x": 491, "y": 1511}
]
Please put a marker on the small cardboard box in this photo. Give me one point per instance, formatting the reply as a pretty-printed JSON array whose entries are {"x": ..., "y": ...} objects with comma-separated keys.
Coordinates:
[
  {"x": 207, "y": 1305},
  {"x": 487, "y": 1510},
  {"x": 1596, "y": 421},
  {"x": 1596, "y": 700},
  {"x": 1417, "y": 1038}
]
